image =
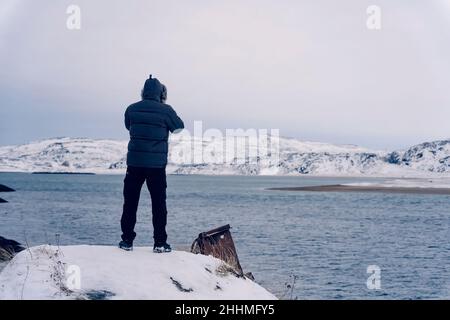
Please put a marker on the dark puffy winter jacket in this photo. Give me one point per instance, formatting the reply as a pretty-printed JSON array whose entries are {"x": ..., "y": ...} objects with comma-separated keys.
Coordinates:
[{"x": 149, "y": 122}]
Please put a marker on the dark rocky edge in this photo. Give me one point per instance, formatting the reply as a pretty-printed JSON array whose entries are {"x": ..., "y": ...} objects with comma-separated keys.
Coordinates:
[
  {"x": 4, "y": 188},
  {"x": 9, "y": 248}
]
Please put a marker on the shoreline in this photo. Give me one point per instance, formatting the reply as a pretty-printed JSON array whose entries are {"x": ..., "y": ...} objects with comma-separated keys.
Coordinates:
[
  {"x": 62, "y": 172},
  {"x": 345, "y": 188},
  {"x": 301, "y": 176}
]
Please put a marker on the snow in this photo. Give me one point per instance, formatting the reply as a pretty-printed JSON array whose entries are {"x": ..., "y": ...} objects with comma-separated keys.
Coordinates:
[
  {"x": 295, "y": 145},
  {"x": 63, "y": 155},
  {"x": 193, "y": 155},
  {"x": 83, "y": 272}
]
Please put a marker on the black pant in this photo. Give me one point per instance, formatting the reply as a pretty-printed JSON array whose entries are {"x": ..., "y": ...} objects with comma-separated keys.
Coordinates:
[{"x": 156, "y": 184}]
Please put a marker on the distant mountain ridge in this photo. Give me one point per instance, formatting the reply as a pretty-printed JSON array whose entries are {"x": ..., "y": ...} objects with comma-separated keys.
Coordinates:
[{"x": 296, "y": 157}]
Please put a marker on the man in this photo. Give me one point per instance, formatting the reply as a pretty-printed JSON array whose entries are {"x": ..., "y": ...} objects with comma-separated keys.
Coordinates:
[{"x": 149, "y": 122}]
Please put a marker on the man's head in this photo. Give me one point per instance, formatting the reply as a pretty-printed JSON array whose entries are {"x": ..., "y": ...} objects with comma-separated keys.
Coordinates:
[{"x": 154, "y": 90}]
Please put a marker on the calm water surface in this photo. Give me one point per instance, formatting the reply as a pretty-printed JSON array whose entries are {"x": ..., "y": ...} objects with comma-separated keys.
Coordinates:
[{"x": 327, "y": 240}]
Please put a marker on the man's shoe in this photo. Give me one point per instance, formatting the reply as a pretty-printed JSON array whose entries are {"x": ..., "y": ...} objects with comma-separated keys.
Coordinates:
[
  {"x": 125, "y": 245},
  {"x": 160, "y": 248}
]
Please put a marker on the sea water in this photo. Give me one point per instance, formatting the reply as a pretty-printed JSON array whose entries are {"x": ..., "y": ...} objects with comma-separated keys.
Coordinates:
[{"x": 304, "y": 245}]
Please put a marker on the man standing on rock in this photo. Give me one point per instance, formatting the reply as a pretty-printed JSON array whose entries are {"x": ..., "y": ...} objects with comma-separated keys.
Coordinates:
[{"x": 149, "y": 122}]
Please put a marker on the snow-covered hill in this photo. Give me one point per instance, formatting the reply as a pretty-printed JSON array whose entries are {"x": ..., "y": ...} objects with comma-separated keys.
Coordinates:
[
  {"x": 208, "y": 156},
  {"x": 104, "y": 272},
  {"x": 429, "y": 156},
  {"x": 62, "y": 154}
]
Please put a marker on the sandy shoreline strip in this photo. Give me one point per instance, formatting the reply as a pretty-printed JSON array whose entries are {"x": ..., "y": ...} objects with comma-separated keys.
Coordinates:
[{"x": 345, "y": 188}]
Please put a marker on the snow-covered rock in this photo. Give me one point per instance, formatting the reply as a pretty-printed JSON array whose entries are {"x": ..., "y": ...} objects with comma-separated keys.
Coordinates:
[
  {"x": 429, "y": 156},
  {"x": 105, "y": 272},
  {"x": 192, "y": 155},
  {"x": 63, "y": 155}
]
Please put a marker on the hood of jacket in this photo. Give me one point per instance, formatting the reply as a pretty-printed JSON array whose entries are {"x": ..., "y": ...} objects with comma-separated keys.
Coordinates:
[{"x": 152, "y": 90}]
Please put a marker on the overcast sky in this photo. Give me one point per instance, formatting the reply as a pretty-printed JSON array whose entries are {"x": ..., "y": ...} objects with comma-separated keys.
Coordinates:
[{"x": 310, "y": 68}]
